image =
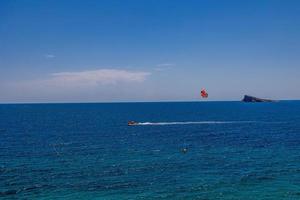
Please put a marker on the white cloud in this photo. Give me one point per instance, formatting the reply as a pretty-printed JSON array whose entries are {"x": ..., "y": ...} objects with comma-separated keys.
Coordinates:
[
  {"x": 91, "y": 85},
  {"x": 98, "y": 77},
  {"x": 83, "y": 79},
  {"x": 49, "y": 56},
  {"x": 163, "y": 66}
]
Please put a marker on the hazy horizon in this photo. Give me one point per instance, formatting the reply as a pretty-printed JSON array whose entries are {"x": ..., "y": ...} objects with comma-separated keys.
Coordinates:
[
  {"x": 148, "y": 51},
  {"x": 117, "y": 102}
]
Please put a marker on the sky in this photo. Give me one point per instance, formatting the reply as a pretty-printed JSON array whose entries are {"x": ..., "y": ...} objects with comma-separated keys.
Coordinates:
[{"x": 148, "y": 50}]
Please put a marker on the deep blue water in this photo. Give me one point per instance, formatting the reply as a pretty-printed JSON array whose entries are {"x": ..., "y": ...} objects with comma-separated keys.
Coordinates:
[{"x": 235, "y": 150}]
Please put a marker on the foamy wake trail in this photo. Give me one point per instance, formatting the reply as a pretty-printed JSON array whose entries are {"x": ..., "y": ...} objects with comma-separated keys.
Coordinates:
[{"x": 186, "y": 123}]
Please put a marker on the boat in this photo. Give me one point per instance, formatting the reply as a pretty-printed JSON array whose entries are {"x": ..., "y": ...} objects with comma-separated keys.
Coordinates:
[{"x": 132, "y": 123}]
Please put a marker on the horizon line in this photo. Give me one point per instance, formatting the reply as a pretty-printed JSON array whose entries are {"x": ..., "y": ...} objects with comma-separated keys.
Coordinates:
[{"x": 120, "y": 102}]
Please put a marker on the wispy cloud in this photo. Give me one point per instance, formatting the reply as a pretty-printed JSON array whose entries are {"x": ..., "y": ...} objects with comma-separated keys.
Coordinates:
[
  {"x": 98, "y": 85},
  {"x": 83, "y": 79},
  {"x": 163, "y": 66},
  {"x": 98, "y": 77},
  {"x": 49, "y": 56}
]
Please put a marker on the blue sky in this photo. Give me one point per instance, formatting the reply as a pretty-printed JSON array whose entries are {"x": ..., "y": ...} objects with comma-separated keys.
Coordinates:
[{"x": 148, "y": 50}]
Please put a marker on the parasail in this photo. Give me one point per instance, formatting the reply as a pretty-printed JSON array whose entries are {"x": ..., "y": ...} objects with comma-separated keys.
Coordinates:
[{"x": 204, "y": 94}]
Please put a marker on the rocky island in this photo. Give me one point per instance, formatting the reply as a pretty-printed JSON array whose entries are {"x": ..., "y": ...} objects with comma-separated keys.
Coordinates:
[{"x": 248, "y": 98}]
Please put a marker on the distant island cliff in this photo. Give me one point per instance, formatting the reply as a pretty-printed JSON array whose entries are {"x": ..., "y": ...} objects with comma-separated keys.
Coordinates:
[{"x": 248, "y": 98}]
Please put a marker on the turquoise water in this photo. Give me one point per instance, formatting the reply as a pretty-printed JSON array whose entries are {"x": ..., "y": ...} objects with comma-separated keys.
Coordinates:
[{"x": 234, "y": 151}]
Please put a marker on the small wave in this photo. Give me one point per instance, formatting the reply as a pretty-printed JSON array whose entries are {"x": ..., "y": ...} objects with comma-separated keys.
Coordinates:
[
  {"x": 156, "y": 150},
  {"x": 187, "y": 123},
  {"x": 8, "y": 192}
]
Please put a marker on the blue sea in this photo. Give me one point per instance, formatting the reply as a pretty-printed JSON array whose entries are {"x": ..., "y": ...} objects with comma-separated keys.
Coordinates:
[{"x": 193, "y": 150}]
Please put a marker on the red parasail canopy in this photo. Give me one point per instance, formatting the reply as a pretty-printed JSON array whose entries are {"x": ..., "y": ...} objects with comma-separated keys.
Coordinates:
[{"x": 204, "y": 94}]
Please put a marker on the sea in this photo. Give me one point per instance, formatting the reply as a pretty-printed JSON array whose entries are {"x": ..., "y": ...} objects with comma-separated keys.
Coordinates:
[{"x": 176, "y": 150}]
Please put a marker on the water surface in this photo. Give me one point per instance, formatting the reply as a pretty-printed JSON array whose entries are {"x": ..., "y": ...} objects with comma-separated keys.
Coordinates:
[{"x": 234, "y": 151}]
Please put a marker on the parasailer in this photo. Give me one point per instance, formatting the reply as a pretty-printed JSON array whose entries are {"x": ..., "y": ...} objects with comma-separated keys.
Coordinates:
[{"x": 204, "y": 94}]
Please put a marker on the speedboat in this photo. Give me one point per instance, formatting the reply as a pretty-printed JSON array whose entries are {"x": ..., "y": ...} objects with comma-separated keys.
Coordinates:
[{"x": 131, "y": 123}]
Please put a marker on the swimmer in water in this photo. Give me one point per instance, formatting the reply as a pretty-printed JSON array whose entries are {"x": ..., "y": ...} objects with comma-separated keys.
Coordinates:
[{"x": 184, "y": 150}]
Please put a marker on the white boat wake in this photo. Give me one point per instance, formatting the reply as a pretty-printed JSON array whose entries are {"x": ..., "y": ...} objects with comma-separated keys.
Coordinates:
[{"x": 187, "y": 123}]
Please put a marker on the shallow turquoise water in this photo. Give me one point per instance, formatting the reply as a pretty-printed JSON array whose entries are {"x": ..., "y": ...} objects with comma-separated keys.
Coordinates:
[{"x": 86, "y": 151}]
